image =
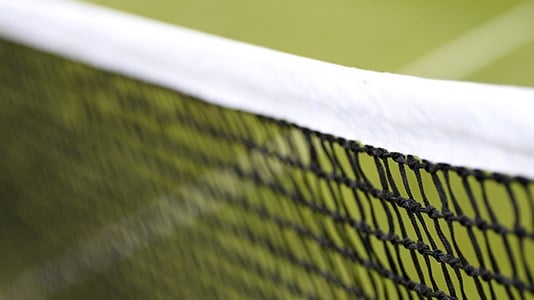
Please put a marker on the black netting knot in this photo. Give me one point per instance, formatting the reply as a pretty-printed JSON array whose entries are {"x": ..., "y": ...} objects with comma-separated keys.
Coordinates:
[
  {"x": 433, "y": 212},
  {"x": 398, "y": 157},
  {"x": 448, "y": 215},
  {"x": 378, "y": 152},
  {"x": 481, "y": 224},
  {"x": 520, "y": 232},
  {"x": 466, "y": 221},
  {"x": 413, "y": 163},
  {"x": 409, "y": 244},
  {"x": 439, "y": 255},
  {"x": 462, "y": 172},
  {"x": 413, "y": 206}
]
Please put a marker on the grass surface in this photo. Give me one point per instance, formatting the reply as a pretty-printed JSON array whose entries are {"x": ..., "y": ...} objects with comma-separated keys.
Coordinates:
[
  {"x": 115, "y": 189},
  {"x": 376, "y": 35}
]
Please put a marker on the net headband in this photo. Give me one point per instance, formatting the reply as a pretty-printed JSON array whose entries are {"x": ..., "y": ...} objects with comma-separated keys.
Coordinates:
[{"x": 480, "y": 126}]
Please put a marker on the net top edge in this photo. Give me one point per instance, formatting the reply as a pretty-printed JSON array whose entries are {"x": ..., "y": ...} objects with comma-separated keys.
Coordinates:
[{"x": 472, "y": 125}]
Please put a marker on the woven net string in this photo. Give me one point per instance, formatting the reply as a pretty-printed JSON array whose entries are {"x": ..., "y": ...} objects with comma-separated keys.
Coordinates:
[{"x": 293, "y": 212}]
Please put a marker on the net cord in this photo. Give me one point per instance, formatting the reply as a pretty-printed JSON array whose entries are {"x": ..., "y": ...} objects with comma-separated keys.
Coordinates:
[{"x": 479, "y": 126}]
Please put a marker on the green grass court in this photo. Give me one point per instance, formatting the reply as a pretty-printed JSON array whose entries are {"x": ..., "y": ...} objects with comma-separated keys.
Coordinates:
[
  {"x": 374, "y": 35},
  {"x": 95, "y": 185}
]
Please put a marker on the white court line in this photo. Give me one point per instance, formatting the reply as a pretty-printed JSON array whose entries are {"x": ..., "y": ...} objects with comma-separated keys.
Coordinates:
[
  {"x": 479, "y": 47},
  {"x": 114, "y": 244},
  {"x": 119, "y": 241}
]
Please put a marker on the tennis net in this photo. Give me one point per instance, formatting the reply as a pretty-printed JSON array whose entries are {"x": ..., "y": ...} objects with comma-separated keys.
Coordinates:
[{"x": 142, "y": 160}]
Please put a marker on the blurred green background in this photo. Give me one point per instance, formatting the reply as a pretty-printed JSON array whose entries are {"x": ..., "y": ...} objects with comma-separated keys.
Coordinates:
[
  {"x": 83, "y": 181},
  {"x": 379, "y": 35}
]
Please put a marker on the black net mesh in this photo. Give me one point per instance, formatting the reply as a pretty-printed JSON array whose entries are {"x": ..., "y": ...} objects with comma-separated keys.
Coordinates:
[{"x": 114, "y": 188}]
